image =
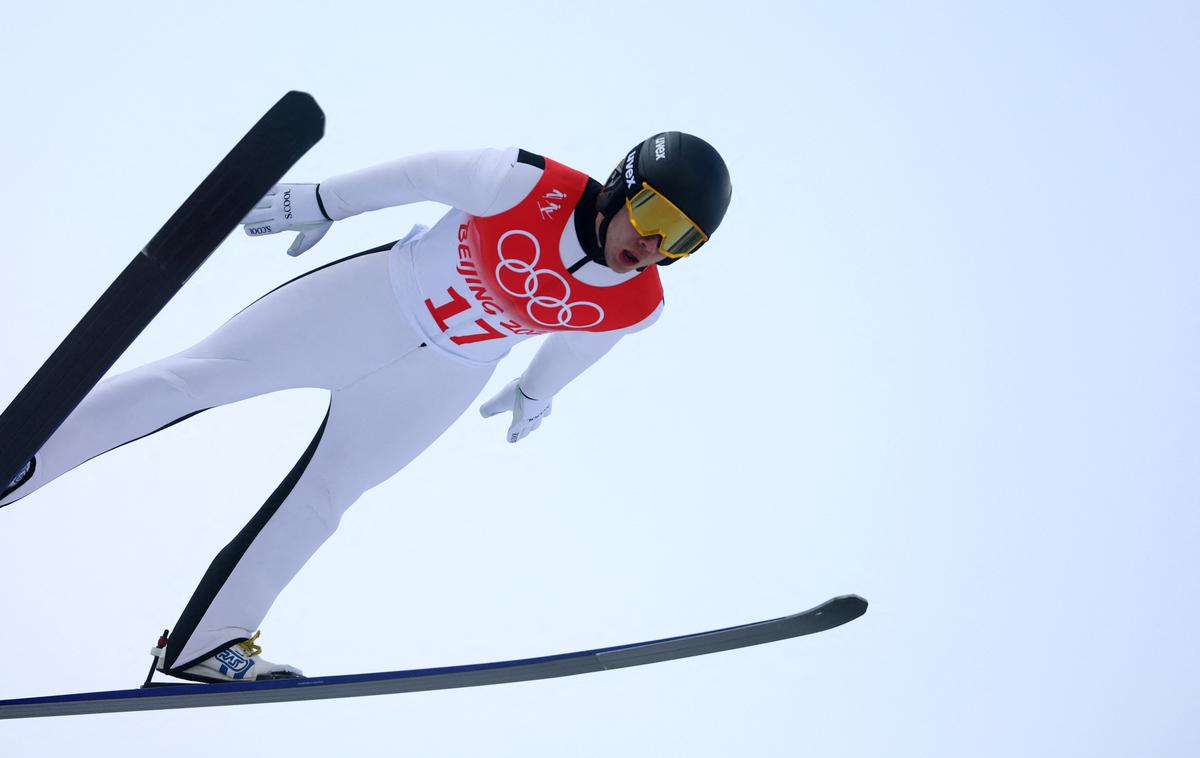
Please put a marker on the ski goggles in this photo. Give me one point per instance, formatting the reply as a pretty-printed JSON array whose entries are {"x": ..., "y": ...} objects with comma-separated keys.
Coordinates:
[{"x": 653, "y": 214}]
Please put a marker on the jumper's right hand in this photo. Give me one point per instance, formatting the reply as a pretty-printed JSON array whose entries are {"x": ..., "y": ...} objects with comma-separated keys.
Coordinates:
[{"x": 287, "y": 208}]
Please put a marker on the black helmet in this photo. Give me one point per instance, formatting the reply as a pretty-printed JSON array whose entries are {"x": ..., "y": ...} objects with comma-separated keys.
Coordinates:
[{"x": 685, "y": 170}]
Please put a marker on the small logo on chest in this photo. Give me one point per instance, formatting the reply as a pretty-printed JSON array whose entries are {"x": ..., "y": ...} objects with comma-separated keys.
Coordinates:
[{"x": 549, "y": 207}]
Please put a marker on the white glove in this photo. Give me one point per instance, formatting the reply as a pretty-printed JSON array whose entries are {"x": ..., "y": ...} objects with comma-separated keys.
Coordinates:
[
  {"x": 527, "y": 412},
  {"x": 287, "y": 208}
]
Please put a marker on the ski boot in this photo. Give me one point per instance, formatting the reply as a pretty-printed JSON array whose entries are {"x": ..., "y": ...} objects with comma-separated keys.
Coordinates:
[
  {"x": 21, "y": 477},
  {"x": 240, "y": 662}
]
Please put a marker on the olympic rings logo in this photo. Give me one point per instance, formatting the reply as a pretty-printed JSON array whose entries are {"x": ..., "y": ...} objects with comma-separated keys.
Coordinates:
[{"x": 546, "y": 290}]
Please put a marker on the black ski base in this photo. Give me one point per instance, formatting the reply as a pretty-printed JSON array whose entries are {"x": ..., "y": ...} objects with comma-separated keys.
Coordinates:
[
  {"x": 188, "y": 238},
  {"x": 155, "y": 696}
]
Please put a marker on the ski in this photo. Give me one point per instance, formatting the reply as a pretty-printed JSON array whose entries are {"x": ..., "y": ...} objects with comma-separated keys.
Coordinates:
[
  {"x": 828, "y": 615},
  {"x": 160, "y": 269}
]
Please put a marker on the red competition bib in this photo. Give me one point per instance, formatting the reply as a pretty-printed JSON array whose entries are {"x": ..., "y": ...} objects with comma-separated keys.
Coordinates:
[{"x": 522, "y": 272}]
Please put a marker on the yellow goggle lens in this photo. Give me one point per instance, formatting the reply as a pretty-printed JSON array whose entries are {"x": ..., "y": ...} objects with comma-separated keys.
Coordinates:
[{"x": 653, "y": 214}]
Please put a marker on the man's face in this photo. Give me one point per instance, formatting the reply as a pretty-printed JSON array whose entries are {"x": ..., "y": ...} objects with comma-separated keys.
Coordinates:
[{"x": 625, "y": 249}]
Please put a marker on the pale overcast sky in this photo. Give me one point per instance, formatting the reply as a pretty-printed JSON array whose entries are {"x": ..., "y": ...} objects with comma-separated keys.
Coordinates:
[{"x": 942, "y": 354}]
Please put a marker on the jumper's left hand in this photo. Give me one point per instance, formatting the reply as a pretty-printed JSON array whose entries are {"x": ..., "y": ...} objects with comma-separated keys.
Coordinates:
[{"x": 527, "y": 412}]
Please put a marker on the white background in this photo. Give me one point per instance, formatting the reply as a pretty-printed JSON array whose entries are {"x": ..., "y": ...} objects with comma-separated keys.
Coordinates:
[{"x": 942, "y": 353}]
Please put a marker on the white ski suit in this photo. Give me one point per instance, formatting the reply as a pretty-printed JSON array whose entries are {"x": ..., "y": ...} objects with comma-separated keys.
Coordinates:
[{"x": 403, "y": 337}]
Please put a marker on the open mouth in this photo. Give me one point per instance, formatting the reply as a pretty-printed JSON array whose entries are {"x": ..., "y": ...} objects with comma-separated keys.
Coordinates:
[{"x": 628, "y": 258}]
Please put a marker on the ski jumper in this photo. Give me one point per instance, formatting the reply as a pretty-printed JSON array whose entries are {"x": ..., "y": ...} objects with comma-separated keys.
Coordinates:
[{"x": 404, "y": 338}]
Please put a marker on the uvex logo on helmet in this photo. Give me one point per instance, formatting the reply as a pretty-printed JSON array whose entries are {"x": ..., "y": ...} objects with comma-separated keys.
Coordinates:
[
  {"x": 660, "y": 148},
  {"x": 629, "y": 178}
]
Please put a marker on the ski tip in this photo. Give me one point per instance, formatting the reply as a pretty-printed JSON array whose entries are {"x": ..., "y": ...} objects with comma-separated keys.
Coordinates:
[
  {"x": 856, "y": 602},
  {"x": 298, "y": 97},
  {"x": 844, "y": 607},
  {"x": 301, "y": 107}
]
